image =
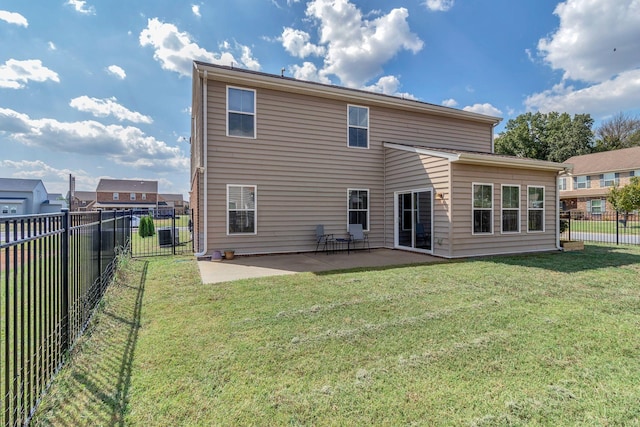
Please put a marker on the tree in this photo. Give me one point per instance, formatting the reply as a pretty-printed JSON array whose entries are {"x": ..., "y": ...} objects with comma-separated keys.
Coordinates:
[
  {"x": 546, "y": 136},
  {"x": 146, "y": 227},
  {"x": 625, "y": 199},
  {"x": 621, "y": 131}
]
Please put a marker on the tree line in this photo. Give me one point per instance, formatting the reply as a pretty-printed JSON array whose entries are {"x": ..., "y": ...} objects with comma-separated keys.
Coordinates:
[{"x": 557, "y": 136}]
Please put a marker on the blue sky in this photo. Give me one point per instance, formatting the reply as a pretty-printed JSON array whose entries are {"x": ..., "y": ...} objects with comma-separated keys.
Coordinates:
[{"x": 103, "y": 88}]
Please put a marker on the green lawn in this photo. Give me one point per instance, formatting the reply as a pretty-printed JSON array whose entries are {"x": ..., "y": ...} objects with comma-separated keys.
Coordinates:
[
  {"x": 548, "y": 339},
  {"x": 607, "y": 227}
]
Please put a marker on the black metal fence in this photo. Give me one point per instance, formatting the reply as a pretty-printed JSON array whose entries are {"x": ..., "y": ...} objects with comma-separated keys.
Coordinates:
[
  {"x": 607, "y": 227},
  {"x": 54, "y": 269},
  {"x": 171, "y": 233}
]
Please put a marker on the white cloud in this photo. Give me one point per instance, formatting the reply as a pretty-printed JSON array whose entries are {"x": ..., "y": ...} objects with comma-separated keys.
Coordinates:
[
  {"x": 618, "y": 94},
  {"x": 449, "y": 102},
  {"x": 175, "y": 50},
  {"x": 486, "y": 109},
  {"x": 389, "y": 85},
  {"x": 196, "y": 10},
  {"x": 13, "y": 18},
  {"x": 357, "y": 48},
  {"x": 15, "y": 74},
  {"x": 596, "y": 40},
  {"x": 596, "y": 44},
  {"x": 296, "y": 42},
  {"x": 81, "y": 7},
  {"x": 123, "y": 145},
  {"x": 55, "y": 180},
  {"x": 308, "y": 71},
  {"x": 439, "y": 5},
  {"x": 52, "y": 46},
  {"x": 108, "y": 107},
  {"x": 117, "y": 71}
]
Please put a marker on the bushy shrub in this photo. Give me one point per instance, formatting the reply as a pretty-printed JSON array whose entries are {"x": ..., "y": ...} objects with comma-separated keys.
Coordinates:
[{"x": 146, "y": 227}]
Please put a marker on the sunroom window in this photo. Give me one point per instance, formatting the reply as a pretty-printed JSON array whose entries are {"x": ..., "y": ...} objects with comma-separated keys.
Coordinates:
[{"x": 482, "y": 208}]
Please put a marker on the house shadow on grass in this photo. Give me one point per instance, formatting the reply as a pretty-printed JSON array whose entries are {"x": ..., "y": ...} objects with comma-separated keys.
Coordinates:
[
  {"x": 591, "y": 258},
  {"x": 93, "y": 389}
]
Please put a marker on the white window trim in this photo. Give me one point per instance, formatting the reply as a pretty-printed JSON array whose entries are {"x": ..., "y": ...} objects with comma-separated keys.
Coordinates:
[
  {"x": 502, "y": 208},
  {"x": 254, "y": 114},
  {"x": 562, "y": 183},
  {"x": 359, "y": 127},
  {"x": 132, "y": 196},
  {"x": 473, "y": 209},
  {"x": 349, "y": 190},
  {"x": 613, "y": 181},
  {"x": 544, "y": 208},
  {"x": 116, "y": 196},
  {"x": 255, "y": 210}
]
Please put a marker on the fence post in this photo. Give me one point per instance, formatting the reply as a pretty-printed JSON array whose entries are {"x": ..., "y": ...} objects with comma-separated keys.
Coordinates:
[
  {"x": 174, "y": 232},
  {"x": 100, "y": 245},
  {"x": 569, "y": 226},
  {"x": 617, "y": 229},
  {"x": 66, "y": 265}
]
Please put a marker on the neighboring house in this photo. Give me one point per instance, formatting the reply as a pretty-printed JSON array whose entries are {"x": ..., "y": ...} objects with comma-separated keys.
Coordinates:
[
  {"x": 272, "y": 157},
  {"x": 585, "y": 188},
  {"x": 174, "y": 201},
  {"x": 126, "y": 194},
  {"x": 82, "y": 200},
  {"x": 25, "y": 197}
]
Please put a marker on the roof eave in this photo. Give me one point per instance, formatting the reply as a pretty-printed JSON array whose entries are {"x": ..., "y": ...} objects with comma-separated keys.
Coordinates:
[
  {"x": 518, "y": 163},
  {"x": 288, "y": 84}
]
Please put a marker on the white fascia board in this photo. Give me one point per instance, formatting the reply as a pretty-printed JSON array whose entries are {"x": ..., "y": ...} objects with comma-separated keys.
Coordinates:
[{"x": 479, "y": 159}]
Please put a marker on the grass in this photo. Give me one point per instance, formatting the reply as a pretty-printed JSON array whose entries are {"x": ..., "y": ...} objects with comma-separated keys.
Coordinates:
[
  {"x": 547, "y": 339},
  {"x": 606, "y": 227}
]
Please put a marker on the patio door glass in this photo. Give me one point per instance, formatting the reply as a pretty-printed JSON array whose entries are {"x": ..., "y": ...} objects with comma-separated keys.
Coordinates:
[{"x": 414, "y": 219}]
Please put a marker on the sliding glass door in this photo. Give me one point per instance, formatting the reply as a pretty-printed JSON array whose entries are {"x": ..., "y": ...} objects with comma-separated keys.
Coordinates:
[{"x": 414, "y": 213}]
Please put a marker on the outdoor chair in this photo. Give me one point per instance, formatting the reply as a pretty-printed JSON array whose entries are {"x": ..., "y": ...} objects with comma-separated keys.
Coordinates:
[
  {"x": 326, "y": 240},
  {"x": 422, "y": 235},
  {"x": 357, "y": 235}
]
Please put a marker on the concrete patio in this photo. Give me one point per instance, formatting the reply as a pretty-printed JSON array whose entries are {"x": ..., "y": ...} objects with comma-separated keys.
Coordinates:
[{"x": 246, "y": 267}]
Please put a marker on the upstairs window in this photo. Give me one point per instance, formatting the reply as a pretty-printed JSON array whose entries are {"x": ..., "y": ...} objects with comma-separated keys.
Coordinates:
[
  {"x": 132, "y": 196},
  {"x": 581, "y": 182},
  {"x": 482, "y": 208},
  {"x": 241, "y": 112},
  {"x": 535, "y": 208},
  {"x": 609, "y": 179},
  {"x": 358, "y": 126},
  {"x": 116, "y": 196},
  {"x": 144, "y": 196},
  {"x": 562, "y": 184}
]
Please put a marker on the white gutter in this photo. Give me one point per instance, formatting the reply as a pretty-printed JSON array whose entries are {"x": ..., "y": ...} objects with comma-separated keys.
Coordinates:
[{"x": 204, "y": 161}]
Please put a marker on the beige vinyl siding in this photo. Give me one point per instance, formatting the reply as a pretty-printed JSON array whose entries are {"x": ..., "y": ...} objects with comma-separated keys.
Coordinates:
[
  {"x": 390, "y": 125},
  {"x": 466, "y": 244},
  {"x": 406, "y": 171},
  {"x": 301, "y": 166}
]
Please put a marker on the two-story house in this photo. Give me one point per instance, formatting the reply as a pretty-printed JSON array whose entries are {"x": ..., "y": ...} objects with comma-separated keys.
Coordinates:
[
  {"x": 27, "y": 196},
  {"x": 585, "y": 188},
  {"x": 114, "y": 194},
  {"x": 272, "y": 157}
]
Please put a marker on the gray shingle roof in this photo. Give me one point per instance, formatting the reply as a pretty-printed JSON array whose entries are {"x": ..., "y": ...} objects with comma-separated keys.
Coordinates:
[
  {"x": 127, "y": 185},
  {"x": 18, "y": 184},
  {"x": 608, "y": 161}
]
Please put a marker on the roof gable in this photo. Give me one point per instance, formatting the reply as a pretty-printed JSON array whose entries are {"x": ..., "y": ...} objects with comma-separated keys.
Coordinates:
[
  {"x": 127, "y": 185},
  {"x": 607, "y": 161},
  {"x": 18, "y": 184}
]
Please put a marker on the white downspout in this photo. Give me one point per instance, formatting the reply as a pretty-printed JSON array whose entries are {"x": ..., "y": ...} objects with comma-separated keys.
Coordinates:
[
  {"x": 558, "y": 247},
  {"x": 205, "y": 143}
]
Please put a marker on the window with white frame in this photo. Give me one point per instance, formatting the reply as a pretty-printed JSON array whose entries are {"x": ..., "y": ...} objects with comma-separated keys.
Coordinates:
[
  {"x": 562, "y": 184},
  {"x": 581, "y": 182},
  {"x": 358, "y": 126},
  {"x": 535, "y": 208},
  {"x": 596, "y": 206},
  {"x": 241, "y": 112},
  {"x": 358, "y": 207},
  {"x": 144, "y": 196},
  {"x": 482, "y": 208},
  {"x": 241, "y": 209},
  {"x": 116, "y": 196},
  {"x": 510, "y": 208},
  {"x": 407, "y": 212},
  {"x": 609, "y": 179},
  {"x": 132, "y": 196}
]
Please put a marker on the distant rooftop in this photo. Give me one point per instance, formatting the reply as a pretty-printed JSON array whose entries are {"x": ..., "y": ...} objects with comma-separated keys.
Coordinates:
[
  {"x": 607, "y": 161},
  {"x": 127, "y": 185}
]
